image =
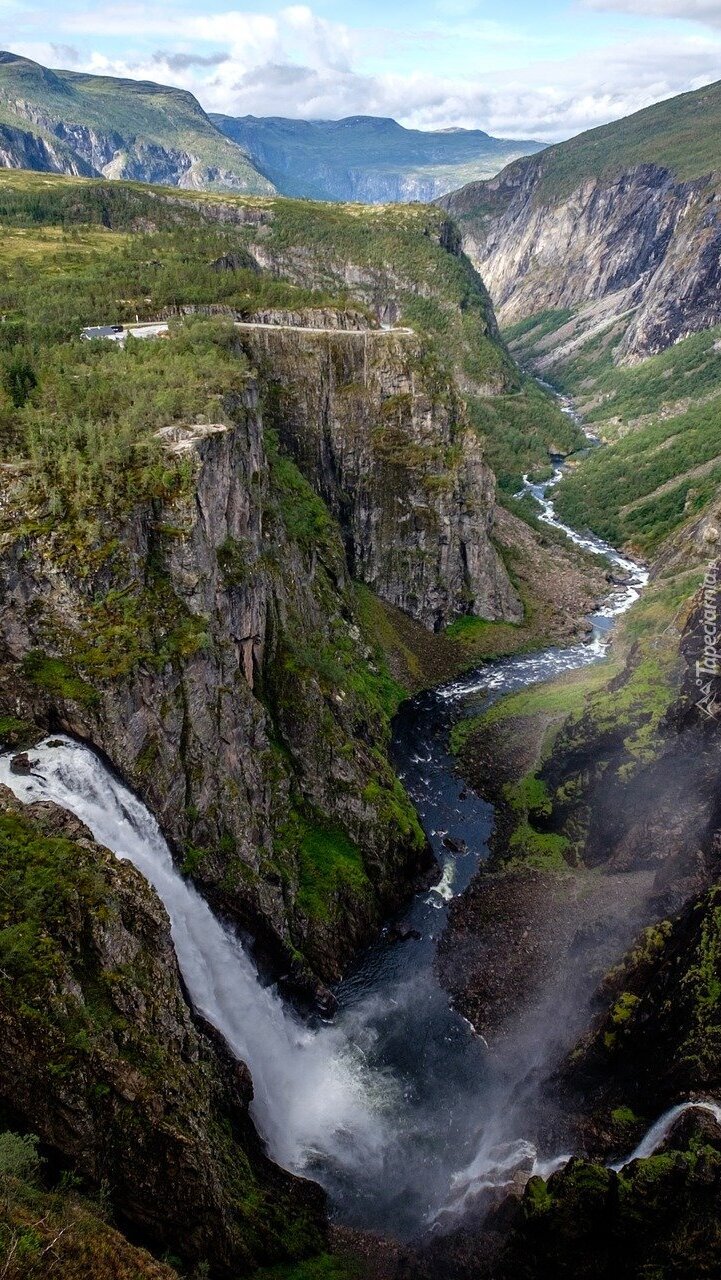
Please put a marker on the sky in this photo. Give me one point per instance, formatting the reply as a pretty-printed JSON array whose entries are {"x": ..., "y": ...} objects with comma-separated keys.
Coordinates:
[{"x": 517, "y": 69}]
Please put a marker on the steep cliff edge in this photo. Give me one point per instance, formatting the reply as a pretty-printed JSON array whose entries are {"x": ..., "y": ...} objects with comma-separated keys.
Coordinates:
[
  {"x": 209, "y": 645},
  {"x": 383, "y": 438},
  {"x": 626, "y": 213},
  {"x": 105, "y": 1063}
]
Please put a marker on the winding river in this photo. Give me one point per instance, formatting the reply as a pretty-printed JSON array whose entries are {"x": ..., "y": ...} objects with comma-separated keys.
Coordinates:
[{"x": 396, "y": 1106}]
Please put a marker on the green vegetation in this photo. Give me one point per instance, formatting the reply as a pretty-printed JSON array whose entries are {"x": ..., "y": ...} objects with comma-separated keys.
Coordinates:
[
  {"x": 88, "y": 433},
  {"x": 325, "y": 1266},
  {"x": 468, "y": 629},
  {"x": 700, "y": 992},
  {"x": 537, "y": 326},
  {"x": 540, "y": 850},
  {"x": 637, "y": 491},
  {"x": 44, "y": 879},
  {"x": 49, "y": 1228},
  {"x": 305, "y": 516},
  {"x": 610, "y": 394},
  {"x": 56, "y": 677},
  {"x": 329, "y": 866},
  {"x": 663, "y": 463},
  {"x": 625, "y": 1123},
  {"x": 17, "y": 733},
  {"x": 74, "y": 257},
  {"x": 604, "y": 720},
  {"x": 654, "y": 1219},
  {"x": 553, "y": 700},
  {"x": 521, "y": 430}
]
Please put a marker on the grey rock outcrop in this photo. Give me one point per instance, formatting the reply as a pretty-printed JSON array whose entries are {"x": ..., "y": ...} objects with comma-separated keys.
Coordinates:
[
  {"x": 641, "y": 238},
  {"x": 22, "y": 149}
]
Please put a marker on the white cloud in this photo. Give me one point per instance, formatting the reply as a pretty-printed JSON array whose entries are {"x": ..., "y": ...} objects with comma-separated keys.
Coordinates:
[
  {"x": 300, "y": 65},
  {"x": 706, "y": 11}
]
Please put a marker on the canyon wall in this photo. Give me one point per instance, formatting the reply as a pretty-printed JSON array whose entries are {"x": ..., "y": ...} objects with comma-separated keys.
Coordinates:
[
  {"x": 641, "y": 239},
  {"x": 382, "y": 437},
  {"x": 211, "y": 645}
]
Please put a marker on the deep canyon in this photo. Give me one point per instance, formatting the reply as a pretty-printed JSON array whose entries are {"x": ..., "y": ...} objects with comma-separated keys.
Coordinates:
[{"x": 359, "y": 816}]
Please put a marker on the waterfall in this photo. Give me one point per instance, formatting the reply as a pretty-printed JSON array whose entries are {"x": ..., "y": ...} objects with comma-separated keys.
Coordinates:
[
  {"x": 659, "y": 1131},
  {"x": 320, "y": 1107},
  {"x": 313, "y": 1099}
]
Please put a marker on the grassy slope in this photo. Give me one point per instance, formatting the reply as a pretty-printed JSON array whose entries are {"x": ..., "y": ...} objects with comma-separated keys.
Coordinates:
[
  {"x": 38, "y": 1222},
  {"x": 629, "y": 694},
  {"x": 139, "y": 111},
  {"x": 682, "y": 134},
  {"x": 662, "y": 464}
]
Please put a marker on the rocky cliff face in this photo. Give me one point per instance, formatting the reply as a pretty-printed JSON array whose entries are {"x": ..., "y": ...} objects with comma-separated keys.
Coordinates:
[
  {"x": 59, "y": 147},
  {"x": 641, "y": 239},
  {"x": 211, "y": 648},
  {"x": 382, "y": 438},
  {"x": 22, "y": 149},
  {"x": 105, "y": 1063},
  {"x": 99, "y": 126}
]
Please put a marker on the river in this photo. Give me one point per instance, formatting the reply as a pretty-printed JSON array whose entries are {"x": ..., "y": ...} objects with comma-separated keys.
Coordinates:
[{"x": 394, "y": 1105}]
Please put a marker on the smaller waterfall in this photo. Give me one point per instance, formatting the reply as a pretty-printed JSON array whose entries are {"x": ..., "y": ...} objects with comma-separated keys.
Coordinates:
[{"x": 659, "y": 1131}]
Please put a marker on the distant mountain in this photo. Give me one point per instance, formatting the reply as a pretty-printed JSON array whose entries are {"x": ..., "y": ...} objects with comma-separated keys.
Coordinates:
[
  {"x": 368, "y": 158},
  {"x": 67, "y": 122}
]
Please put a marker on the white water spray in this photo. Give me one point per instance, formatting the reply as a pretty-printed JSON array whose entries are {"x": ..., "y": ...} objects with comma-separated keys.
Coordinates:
[{"x": 313, "y": 1099}]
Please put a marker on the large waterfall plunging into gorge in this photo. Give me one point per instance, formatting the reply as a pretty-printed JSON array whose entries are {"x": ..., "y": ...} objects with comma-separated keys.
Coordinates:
[
  {"x": 310, "y": 1089},
  {"x": 395, "y": 1106}
]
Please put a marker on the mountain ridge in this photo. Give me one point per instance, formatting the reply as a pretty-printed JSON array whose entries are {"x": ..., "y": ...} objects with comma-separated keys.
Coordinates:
[
  {"x": 626, "y": 213},
  {"x": 373, "y": 159},
  {"x": 105, "y": 126}
]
